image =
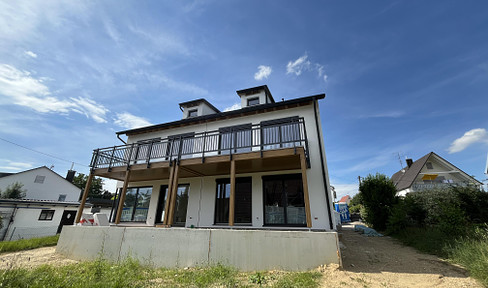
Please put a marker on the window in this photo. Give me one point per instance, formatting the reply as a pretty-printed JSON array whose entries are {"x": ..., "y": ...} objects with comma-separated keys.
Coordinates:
[
  {"x": 62, "y": 197},
  {"x": 163, "y": 194},
  {"x": 280, "y": 133},
  {"x": 39, "y": 179},
  {"x": 429, "y": 165},
  {"x": 46, "y": 215},
  {"x": 136, "y": 204},
  {"x": 284, "y": 203},
  {"x": 192, "y": 113},
  {"x": 181, "y": 205},
  {"x": 180, "y": 145},
  {"x": 243, "y": 201},
  {"x": 252, "y": 101},
  {"x": 235, "y": 138}
]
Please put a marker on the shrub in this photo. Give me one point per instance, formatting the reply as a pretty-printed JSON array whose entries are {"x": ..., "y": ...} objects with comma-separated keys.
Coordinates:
[{"x": 378, "y": 196}]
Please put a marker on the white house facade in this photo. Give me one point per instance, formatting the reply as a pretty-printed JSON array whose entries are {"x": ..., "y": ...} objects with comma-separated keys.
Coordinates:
[{"x": 258, "y": 172}]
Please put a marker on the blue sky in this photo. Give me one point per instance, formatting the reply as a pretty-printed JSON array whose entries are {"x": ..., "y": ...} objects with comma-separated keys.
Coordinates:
[{"x": 401, "y": 78}]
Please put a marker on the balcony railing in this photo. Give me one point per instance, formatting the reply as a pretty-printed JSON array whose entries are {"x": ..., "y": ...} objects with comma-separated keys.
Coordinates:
[
  {"x": 269, "y": 135},
  {"x": 426, "y": 186}
]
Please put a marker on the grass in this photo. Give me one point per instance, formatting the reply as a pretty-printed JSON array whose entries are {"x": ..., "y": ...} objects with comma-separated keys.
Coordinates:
[
  {"x": 130, "y": 273},
  {"x": 27, "y": 244},
  {"x": 470, "y": 251}
]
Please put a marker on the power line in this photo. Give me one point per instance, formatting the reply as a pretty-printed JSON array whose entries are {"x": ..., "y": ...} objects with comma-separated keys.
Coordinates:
[{"x": 49, "y": 155}]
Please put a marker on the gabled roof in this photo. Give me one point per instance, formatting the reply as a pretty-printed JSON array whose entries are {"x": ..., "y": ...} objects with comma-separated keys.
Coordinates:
[
  {"x": 255, "y": 90},
  {"x": 345, "y": 198},
  {"x": 225, "y": 115},
  {"x": 404, "y": 178},
  {"x": 41, "y": 167},
  {"x": 198, "y": 101}
]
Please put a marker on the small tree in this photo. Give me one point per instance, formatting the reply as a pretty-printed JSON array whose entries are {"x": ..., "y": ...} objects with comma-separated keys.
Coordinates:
[
  {"x": 14, "y": 191},
  {"x": 96, "y": 187},
  {"x": 378, "y": 197}
]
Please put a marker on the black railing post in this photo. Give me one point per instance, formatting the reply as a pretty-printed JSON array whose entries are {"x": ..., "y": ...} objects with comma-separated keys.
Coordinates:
[
  {"x": 130, "y": 155},
  {"x": 93, "y": 162},
  {"x": 203, "y": 145},
  {"x": 148, "y": 154},
  {"x": 111, "y": 160}
]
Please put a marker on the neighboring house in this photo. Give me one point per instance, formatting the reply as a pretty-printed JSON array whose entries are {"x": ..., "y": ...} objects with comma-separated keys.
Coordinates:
[
  {"x": 50, "y": 202},
  {"x": 430, "y": 171},
  {"x": 261, "y": 167},
  {"x": 345, "y": 199}
]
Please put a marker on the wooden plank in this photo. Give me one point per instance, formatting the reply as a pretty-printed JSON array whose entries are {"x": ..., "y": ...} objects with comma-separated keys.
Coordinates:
[
  {"x": 232, "y": 192},
  {"x": 171, "y": 211},
  {"x": 83, "y": 199},
  {"x": 168, "y": 197},
  {"x": 122, "y": 197},
  {"x": 308, "y": 213}
]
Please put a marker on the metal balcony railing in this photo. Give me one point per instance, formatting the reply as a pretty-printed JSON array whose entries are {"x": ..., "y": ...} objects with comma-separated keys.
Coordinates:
[{"x": 269, "y": 135}]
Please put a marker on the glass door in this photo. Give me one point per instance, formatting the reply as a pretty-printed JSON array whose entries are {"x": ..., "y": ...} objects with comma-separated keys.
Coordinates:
[{"x": 163, "y": 194}]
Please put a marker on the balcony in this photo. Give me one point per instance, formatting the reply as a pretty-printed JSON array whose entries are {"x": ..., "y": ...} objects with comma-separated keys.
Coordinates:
[
  {"x": 427, "y": 186},
  {"x": 268, "y": 146}
]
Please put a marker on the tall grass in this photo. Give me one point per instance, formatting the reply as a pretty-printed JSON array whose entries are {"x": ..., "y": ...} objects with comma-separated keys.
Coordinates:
[
  {"x": 130, "y": 273},
  {"x": 26, "y": 244},
  {"x": 472, "y": 253}
]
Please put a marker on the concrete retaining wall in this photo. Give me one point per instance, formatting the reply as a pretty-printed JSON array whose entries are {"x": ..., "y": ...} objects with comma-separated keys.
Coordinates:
[{"x": 247, "y": 250}]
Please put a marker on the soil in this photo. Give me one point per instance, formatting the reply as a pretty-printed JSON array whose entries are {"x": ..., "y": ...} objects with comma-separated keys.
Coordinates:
[
  {"x": 367, "y": 262},
  {"x": 385, "y": 262}
]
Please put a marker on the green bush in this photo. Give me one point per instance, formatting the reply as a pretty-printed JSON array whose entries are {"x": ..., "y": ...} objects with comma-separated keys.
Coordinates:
[{"x": 378, "y": 197}]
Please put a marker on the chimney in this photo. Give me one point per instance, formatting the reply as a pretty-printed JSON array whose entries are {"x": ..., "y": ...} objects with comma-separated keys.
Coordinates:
[
  {"x": 70, "y": 175},
  {"x": 409, "y": 162}
]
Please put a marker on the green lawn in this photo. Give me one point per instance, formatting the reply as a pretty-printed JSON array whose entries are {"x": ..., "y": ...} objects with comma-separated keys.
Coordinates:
[{"x": 27, "y": 244}]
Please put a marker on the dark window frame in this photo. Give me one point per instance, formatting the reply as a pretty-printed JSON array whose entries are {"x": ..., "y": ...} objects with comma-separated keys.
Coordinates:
[
  {"x": 135, "y": 203},
  {"x": 161, "y": 204},
  {"x": 281, "y": 177},
  {"x": 223, "y": 182},
  {"x": 181, "y": 224},
  {"x": 191, "y": 111},
  {"x": 249, "y": 100},
  {"x": 40, "y": 179},
  {"x": 46, "y": 215}
]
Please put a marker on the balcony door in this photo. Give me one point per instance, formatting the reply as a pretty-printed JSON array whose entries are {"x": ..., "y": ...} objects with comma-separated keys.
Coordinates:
[
  {"x": 243, "y": 201},
  {"x": 235, "y": 139},
  {"x": 181, "y": 205},
  {"x": 136, "y": 204},
  {"x": 180, "y": 145},
  {"x": 280, "y": 133},
  {"x": 163, "y": 194},
  {"x": 284, "y": 202}
]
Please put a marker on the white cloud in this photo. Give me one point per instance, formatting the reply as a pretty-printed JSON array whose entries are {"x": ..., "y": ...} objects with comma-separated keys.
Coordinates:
[
  {"x": 303, "y": 64},
  {"x": 478, "y": 135},
  {"x": 24, "y": 90},
  {"x": 12, "y": 166},
  {"x": 130, "y": 121},
  {"x": 346, "y": 189},
  {"x": 263, "y": 72},
  {"x": 233, "y": 107},
  {"x": 298, "y": 65},
  {"x": 31, "y": 54}
]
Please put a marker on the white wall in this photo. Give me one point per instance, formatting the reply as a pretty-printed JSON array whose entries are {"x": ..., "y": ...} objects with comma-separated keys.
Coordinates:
[
  {"x": 26, "y": 222},
  {"x": 261, "y": 95},
  {"x": 53, "y": 185}
]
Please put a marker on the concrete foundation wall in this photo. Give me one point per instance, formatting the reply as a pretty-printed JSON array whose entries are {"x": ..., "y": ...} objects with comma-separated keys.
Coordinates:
[{"x": 246, "y": 250}]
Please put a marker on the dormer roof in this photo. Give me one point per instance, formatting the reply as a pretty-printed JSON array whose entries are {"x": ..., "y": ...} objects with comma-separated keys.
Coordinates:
[
  {"x": 197, "y": 102},
  {"x": 255, "y": 90}
]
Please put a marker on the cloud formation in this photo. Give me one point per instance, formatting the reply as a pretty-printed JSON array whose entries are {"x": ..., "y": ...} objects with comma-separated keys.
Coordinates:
[
  {"x": 263, "y": 72},
  {"x": 303, "y": 64},
  {"x": 31, "y": 54},
  {"x": 478, "y": 135},
  {"x": 129, "y": 121},
  {"x": 24, "y": 90},
  {"x": 233, "y": 107}
]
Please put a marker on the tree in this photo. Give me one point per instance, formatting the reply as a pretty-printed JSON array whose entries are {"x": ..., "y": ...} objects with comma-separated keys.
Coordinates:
[
  {"x": 96, "y": 187},
  {"x": 378, "y": 197},
  {"x": 14, "y": 191}
]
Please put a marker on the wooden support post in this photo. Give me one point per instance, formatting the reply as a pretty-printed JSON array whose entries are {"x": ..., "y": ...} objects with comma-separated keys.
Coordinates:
[
  {"x": 174, "y": 191},
  {"x": 122, "y": 197},
  {"x": 168, "y": 197},
  {"x": 232, "y": 199},
  {"x": 308, "y": 213},
  {"x": 83, "y": 198}
]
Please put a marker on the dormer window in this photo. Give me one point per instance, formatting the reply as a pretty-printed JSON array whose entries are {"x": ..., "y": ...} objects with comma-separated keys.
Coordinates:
[
  {"x": 252, "y": 101},
  {"x": 192, "y": 113}
]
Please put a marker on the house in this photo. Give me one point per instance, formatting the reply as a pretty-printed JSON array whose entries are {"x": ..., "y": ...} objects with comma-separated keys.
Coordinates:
[
  {"x": 345, "y": 199},
  {"x": 430, "y": 171},
  {"x": 50, "y": 202},
  {"x": 247, "y": 187}
]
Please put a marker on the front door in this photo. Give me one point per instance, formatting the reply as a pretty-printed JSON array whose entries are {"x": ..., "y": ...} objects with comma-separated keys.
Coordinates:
[{"x": 68, "y": 218}]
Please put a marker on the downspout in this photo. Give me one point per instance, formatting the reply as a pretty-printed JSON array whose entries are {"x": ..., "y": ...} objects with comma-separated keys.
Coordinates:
[
  {"x": 118, "y": 136},
  {"x": 322, "y": 163}
]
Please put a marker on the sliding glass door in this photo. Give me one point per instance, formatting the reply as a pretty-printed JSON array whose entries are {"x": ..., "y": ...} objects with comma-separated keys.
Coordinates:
[
  {"x": 136, "y": 204},
  {"x": 243, "y": 201}
]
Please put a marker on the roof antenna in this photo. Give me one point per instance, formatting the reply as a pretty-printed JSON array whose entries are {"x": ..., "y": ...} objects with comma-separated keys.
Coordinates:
[
  {"x": 400, "y": 159},
  {"x": 72, "y": 165},
  {"x": 51, "y": 168}
]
